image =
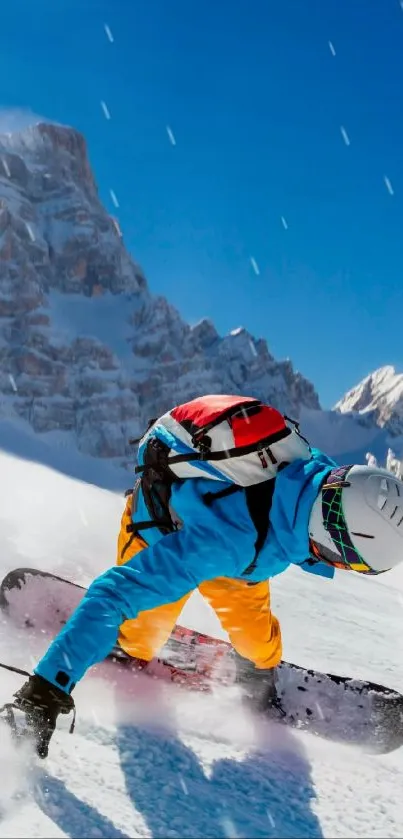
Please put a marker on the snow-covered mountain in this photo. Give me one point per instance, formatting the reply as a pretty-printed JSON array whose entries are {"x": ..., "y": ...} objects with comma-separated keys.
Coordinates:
[
  {"x": 378, "y": 398},
  {"x": 87, "y": 355},
  {"x": 87, "y": 352}
]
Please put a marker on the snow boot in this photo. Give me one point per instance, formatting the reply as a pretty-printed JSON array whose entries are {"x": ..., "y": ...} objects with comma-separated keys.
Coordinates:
[{"x": 259, "y": 687}]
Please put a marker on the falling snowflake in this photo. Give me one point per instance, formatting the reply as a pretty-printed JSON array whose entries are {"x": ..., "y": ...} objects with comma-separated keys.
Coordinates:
[
  {"x": 270, "y": 818},
  {"x": 171, "y": 135},
  {"x": 387, "y": 182},
  {"x": 245, "y": 416},
  {"x": 114, "y": 199},
  {"x": 345, "y": 136},
  {"x": 183, "y": 785},
  {"x": 12, "y": 382},
  {"x": 6, "y": 167},
  {"x": 254, "y": 265},
  {"x": 67, "y": 661},
  {"x": 105, "y": 109},
  {"x": 108, "y": 33},
  {"x": 284, "y": 223},
  {"x": 332, "y": 49},
  {"x": 117, "y": 228},
  {"x": 30, "y": 232}
]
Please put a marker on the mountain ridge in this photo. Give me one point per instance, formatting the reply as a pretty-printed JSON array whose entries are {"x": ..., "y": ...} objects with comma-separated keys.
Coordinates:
[
  {"x": 86, "y": 349},
  {"x": 378, "y": 398}
]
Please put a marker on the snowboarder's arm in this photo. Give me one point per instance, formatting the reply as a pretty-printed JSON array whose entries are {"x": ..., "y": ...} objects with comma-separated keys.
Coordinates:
[{"x": 157, "y": 575}]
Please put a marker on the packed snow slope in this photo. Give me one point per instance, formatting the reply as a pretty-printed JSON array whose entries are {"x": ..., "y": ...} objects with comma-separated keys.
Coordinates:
[{"x": 149, "y": 760}]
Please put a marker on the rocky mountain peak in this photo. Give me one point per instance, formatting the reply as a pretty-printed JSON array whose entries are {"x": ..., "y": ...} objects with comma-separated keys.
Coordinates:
[
  {"x": 87, "y": 352},
  {"x": 379, "y": 396}
]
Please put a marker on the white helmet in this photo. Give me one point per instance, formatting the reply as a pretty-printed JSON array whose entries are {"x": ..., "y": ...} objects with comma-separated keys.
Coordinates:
[{"x": 356, "y": 521}]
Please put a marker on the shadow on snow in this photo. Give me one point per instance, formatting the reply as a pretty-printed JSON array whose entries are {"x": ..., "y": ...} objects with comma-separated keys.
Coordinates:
[{"x": 266, "y": 795}]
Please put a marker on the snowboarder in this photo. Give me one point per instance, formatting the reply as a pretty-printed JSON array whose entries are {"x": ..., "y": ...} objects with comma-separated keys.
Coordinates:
[{"x": 229, "y": 494}]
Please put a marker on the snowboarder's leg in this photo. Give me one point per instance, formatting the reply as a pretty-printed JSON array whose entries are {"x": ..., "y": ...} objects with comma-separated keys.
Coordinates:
[
  {"x": 244, "y": 612},
  {"x": 144, "y": 636}
]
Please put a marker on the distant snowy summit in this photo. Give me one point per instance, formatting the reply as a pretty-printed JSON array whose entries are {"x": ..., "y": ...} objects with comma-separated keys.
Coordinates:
[
  {"x": 378, "y": 399},
  {"x": 88, "y": 352}
]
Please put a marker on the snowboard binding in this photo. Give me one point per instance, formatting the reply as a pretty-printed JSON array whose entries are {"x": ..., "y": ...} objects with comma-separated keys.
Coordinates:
[
  {"x": 20, "y": 733},
  {"x": 41, "y": 703}
]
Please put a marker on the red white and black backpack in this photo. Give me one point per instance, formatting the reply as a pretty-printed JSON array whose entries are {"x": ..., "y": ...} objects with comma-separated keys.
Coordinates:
[{"x": 232, "y": 439}]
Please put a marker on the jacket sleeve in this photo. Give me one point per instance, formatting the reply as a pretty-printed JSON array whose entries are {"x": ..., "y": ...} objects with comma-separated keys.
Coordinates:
[
  {"x": 318, "y": 568},
  {"x": 160, "y": 574}
]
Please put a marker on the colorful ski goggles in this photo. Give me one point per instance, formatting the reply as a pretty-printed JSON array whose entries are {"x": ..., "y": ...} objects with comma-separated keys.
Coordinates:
[{"x": 347, "y": 557}]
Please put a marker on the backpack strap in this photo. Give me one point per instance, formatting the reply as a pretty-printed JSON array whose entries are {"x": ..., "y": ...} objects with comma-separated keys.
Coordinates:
[
  {"x": 206, "y": 454},
  {"x": 209, "y": 497},
  {"x": 259, "y": 498},
  {"x": 259, "y": 506},
  {"x": 133, "y": 528}
]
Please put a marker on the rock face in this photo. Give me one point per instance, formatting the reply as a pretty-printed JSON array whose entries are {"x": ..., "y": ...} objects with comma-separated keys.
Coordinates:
[
  {"x": 377, "y": 399},
  {"x": 85, "y": 348}
]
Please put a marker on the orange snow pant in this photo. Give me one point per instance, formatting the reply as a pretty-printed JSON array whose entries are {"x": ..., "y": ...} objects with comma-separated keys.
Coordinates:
[{"x": 242, "y": 608}]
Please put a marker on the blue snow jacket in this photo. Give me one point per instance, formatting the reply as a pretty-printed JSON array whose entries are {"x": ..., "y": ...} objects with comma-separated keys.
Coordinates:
[{"x": 214, "y": 541}]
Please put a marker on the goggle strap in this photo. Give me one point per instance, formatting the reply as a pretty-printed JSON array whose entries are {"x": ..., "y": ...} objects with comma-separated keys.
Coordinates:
[
  {"x": 352, "y": 558},
  {"x": 337, "y": 485}
]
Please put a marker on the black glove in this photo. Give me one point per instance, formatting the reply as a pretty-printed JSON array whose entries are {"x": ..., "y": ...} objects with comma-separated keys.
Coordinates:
[{"x": 42, "y": 703}]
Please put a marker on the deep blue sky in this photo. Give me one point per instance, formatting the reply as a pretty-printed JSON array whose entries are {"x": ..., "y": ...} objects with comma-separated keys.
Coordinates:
[{"x": 255, "y": 100}]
